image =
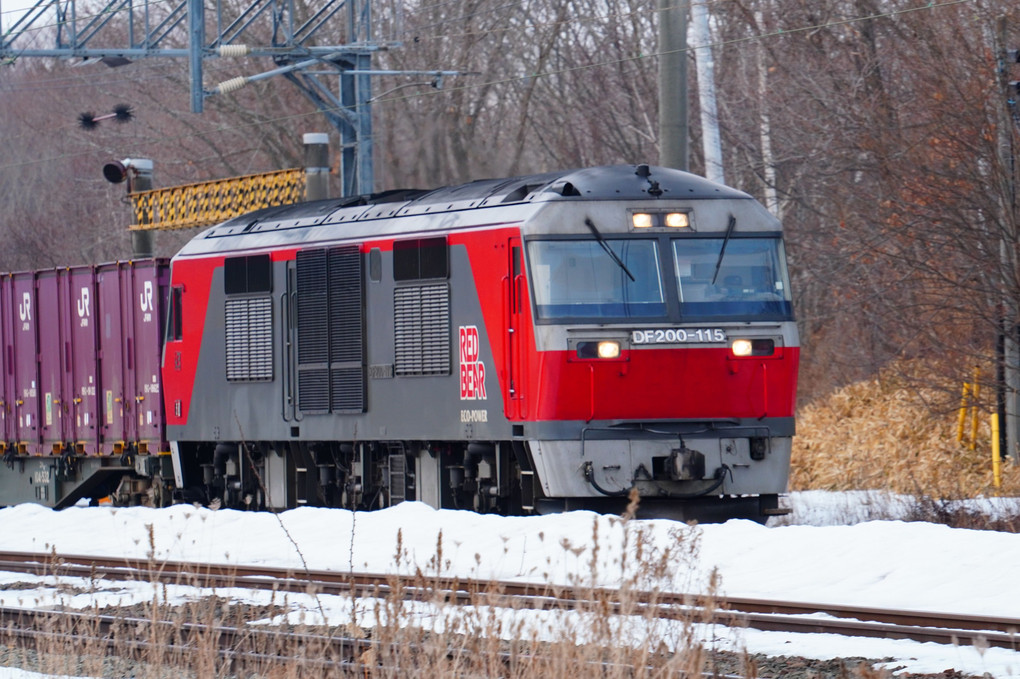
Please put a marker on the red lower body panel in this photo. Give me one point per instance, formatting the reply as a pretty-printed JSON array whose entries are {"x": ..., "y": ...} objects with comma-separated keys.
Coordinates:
[{"x": 661, "y": 384}]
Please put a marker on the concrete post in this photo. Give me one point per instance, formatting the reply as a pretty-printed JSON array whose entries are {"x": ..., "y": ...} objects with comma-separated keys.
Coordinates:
[
  {"x": 316, "y": 165},
  {"x": 673, "y": 125},
  {"x": 139, "y": 178}
]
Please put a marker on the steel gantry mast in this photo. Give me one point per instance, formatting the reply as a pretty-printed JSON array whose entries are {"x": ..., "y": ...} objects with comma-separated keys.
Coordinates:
[{"x": 303, "y": 47}]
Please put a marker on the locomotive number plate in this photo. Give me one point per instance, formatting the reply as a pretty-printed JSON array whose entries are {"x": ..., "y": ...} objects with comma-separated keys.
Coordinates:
[{"x": 678, "y": 336}]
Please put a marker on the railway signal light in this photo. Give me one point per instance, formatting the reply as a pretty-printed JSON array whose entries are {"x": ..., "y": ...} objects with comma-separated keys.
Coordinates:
[{"x": 117, "y": 171}]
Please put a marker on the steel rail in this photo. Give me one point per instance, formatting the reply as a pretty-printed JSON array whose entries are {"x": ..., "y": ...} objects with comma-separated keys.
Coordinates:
[
  {"x": 768, "y": 615},
  {"x": 136, "y": 637},
  {"x": 248, "y": 648}
]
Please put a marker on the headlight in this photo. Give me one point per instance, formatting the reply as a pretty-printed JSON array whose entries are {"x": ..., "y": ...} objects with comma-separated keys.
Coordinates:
[
  {"x": 600, "y": 349},
  {"x": 677, "y": 220},
  {"x": 755, "y": 347},
  {"x": 742, "y": 347},
  {"x": 641, "y": 220},
  {"x": 658, "y": 220}
]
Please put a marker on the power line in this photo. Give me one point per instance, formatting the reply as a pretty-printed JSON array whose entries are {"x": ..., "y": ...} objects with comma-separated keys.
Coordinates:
[
  {"x": 619, "y": 15},
  {"x": 515, "y": 79}
]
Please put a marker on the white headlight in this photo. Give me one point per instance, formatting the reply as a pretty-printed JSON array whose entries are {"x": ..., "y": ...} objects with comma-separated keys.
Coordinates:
[
  {"x": 742, "y": 347},
  {"x": 641, "y": 220},
  {"x": 677, "y": 220},
  {"x": 609, "y": 349}
]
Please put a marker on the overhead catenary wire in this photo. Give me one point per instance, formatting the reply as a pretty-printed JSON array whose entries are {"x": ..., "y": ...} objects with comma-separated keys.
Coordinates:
[
  {"x": 407, "y": 96},
  {"x": 504, "y": 30},
  {"x": 641, "y": 56},
  {"x": 232, "y": 84}
]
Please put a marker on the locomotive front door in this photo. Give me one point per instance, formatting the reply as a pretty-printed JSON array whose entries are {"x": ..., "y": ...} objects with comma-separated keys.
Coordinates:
[{"x": 515, "y": 301}]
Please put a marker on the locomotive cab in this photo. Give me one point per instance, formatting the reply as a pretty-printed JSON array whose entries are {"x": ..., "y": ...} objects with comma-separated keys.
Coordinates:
[{"x": 666, "y": 354}]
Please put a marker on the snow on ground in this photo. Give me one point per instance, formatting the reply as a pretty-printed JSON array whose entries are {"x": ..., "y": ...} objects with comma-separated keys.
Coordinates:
[{"x": 832, "y": 550}]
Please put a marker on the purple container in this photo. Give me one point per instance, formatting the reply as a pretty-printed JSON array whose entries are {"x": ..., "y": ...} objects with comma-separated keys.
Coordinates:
[
  {"x": 6, "y": 362},
  {"x": 26, "y": 432},
  {"x": 80, "y": 357},
  {"x": 81, "y": 374},
  {"x": 149, "y": 282},
  {"x": 51, "y": 361},
  {"x": 132, "y": 301},
  {"x": 113, "y": 364}
]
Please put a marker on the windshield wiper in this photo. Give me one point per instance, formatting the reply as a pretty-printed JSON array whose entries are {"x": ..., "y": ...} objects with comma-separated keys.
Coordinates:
[
  {"x": 722, "y": 250},
  {"x": 605, "y": 246}
]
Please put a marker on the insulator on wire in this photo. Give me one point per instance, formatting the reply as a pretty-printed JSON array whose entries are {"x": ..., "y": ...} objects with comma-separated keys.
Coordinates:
[
  {"x": 232, "y": 85},
  {"x": 121, "y": 113},
  {"x": 234, "y": 50}
]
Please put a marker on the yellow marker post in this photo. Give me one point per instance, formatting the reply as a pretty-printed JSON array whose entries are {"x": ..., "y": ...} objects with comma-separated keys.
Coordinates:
[
  {"x": 963, "y": 412},
  {"x": 975, "y": 390},
  {"x": 996, "y": 459}
]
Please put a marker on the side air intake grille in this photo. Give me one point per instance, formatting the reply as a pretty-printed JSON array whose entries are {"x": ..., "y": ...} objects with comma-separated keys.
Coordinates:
[
  {"x": 313, "y": 322},
  {"x": 422, "y": 330},
  {"x": 249, "y": 332},
  {"x": 331, "y": 339},
  {"x": 313, "y": 390}
]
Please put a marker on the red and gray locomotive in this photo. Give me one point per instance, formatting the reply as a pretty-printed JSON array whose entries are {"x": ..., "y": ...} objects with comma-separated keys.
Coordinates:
[{"x": 532, "y": 344}]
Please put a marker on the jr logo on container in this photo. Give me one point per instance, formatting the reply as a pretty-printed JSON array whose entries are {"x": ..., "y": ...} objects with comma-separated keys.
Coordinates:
[
  {"x": 84, "y": 308},
  {"x": 145, "y": 298},
  {"x": 25, "y": 311},
  {"x": 472, "y": 370}
]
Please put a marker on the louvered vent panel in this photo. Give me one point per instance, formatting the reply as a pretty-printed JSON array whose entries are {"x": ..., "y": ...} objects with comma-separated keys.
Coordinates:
[
  {"x": 407, "y": 331},
  {"x": 331, "y": 373},
  {"x": 345, "y": 322},
  {"x": 312, "y": 306},
  {"x": 435, "y": 314},
  {"x": 249, "y": 337},
  {"x": 348, "y": 390},
  {"x": 260, "y": 339},
  {"x": 313, "y": 390},
  {"x": 236, "y": 321},
  {"x": 422, "y": 330}
]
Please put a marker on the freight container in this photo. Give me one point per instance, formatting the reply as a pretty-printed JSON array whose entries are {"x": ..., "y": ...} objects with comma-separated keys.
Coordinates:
[
  {"x": 80, "y": 394},
  {"x": 24, "y": 348},
  {"x": 79, "y": 322}
]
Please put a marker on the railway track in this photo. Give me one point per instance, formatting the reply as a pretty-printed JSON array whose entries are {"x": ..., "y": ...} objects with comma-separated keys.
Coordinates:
[
  {"x": 943, "y": 628},
  {"x": 142, "y": 638}
]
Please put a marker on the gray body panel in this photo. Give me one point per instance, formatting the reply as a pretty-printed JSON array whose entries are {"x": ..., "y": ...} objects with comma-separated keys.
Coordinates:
[{"x": 396, "y": 407}]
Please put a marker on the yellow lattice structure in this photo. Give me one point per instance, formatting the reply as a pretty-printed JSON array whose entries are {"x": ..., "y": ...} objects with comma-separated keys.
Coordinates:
[{"x": 208, "y": 203}]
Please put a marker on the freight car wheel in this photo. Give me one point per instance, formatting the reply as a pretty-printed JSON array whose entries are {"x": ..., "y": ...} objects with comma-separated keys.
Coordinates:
[{"x": 159, "y": 494}]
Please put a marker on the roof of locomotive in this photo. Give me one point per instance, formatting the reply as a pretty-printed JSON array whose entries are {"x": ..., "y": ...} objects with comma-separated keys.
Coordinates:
[{"x": 616, "y": 182}]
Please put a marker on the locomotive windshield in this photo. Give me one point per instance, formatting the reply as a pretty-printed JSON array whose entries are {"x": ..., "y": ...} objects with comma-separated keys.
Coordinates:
[
  {"x": 580, "y": 279},
  {"x": 746, "y": 278}
]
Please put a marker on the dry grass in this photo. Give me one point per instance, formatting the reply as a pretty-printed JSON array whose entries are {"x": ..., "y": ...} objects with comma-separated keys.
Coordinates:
[
  {"x": 423, "y": 636},
  {"x": 896, "y": 432}
]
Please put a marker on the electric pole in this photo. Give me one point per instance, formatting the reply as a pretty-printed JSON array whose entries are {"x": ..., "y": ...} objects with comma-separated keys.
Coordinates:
[
  {"x": 1009, "y": 342},
  {"x": 673, "y": 124},
  {"x": 701, "y": 36}
]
